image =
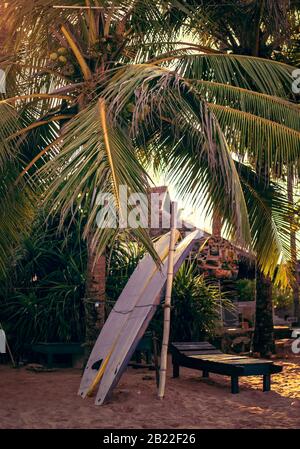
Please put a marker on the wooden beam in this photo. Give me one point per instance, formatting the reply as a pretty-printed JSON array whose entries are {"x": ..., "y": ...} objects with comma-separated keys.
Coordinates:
[{"x": 81, "y": 7}]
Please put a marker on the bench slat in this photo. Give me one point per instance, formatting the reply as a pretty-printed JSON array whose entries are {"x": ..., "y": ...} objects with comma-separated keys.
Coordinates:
[
  {"x": 201, "y": 352},
  {"x": 193, "y": 346},
  {"x": 222, "y": 356},
  {"x": 228, "y": 357},
  {"x": 240, "y": 362},
  {"x": 191, "y": 343}
]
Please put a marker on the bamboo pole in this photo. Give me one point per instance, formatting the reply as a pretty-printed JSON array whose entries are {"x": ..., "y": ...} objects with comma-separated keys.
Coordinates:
[{"x": 167, "y": 306}]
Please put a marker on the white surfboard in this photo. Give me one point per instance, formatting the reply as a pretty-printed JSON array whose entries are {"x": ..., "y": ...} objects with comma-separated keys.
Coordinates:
[
  {"x": 108, "y": 337},
  {"x": 139, "y": 319}
]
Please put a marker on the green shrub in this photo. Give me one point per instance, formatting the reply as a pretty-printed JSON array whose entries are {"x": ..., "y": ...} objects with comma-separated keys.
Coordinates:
[
  {"x": 41, "y": 298},
  {"x": 245, "y": 289},
  {"x": 195, "y": 306},
  {"x": 282, "y": 298},
  {"x": 121, "y": 261}
]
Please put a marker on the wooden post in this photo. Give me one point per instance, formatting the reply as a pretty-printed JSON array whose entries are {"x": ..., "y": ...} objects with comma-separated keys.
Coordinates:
[
  {"x": 175, "y": 369},
  {"x": 234, "y": 384},
  {"x": 267, "y": 382},
  {"x": 167, "y": 305},
  {"x": 155, "y": 353}
]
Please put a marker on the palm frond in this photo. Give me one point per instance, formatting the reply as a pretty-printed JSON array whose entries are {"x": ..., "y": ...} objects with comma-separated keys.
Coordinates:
[
  {"x": 178, "y": 123},
  {"x": 9, "y": 125},
  {"x": 80, "y": 58},
  {"x": 16, "y": 214},
  {"x": 265, "y": 106},
  {"x": 269, "y": 212},
  {"x": 83, "y": 169},
  {"x": 264, "y": 139},
  {"x": 258, "y": 74}
]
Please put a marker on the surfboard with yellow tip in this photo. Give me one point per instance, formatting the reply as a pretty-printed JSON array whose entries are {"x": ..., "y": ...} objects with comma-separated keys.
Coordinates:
[
  {"x": 109, "y": 335},
  {"x": 139, "y": 319}
]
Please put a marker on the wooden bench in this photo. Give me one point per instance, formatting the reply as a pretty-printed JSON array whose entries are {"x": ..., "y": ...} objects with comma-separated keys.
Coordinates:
[
  {"x": 51, "y": 349},
  {"x": 205, "y": 357}
]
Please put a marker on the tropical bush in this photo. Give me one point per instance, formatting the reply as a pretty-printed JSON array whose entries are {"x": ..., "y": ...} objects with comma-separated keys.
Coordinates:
[
  {"x": 41, "y": 298},
  {"x": 196, "y": 303},
  {"x": 245, "y": 289},
  {"x": 195, "y": 307},
  {"x": 282, "y": 298},
  {"x": 122, "y": 260}
]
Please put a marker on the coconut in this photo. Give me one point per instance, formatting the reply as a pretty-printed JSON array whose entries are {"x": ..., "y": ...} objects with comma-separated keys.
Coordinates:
[
  {"x": 53, "y": 56},
  {"x": 130, "y": 107},
  {"x": 62, "y": 59},
  {"x": 62, "y": 51}
]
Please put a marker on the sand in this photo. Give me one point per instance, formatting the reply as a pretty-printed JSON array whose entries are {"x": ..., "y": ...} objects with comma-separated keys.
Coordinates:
[{"x": 49, "y": 400}]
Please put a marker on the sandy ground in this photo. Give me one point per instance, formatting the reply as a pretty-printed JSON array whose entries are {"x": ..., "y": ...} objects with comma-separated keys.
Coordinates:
[{"x": 49, "y": 400}]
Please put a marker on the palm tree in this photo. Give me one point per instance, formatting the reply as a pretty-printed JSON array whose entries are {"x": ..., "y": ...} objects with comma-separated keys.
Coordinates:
[
  {"x": 264, "y": 29},
  {"x": 291, "y": 55},
  {"x": 98, "y": 94}
]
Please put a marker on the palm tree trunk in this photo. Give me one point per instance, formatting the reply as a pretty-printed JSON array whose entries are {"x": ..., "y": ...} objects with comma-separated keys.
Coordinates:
[
  {"x": 264, "y": 326},
  {"x": 216, "y": 224},
  {"x": 94, "y": 295},
  {"x": 264, "y": 330},
  {"x": 94, "y": 300},
  {"x": 295, "y": 286}
]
